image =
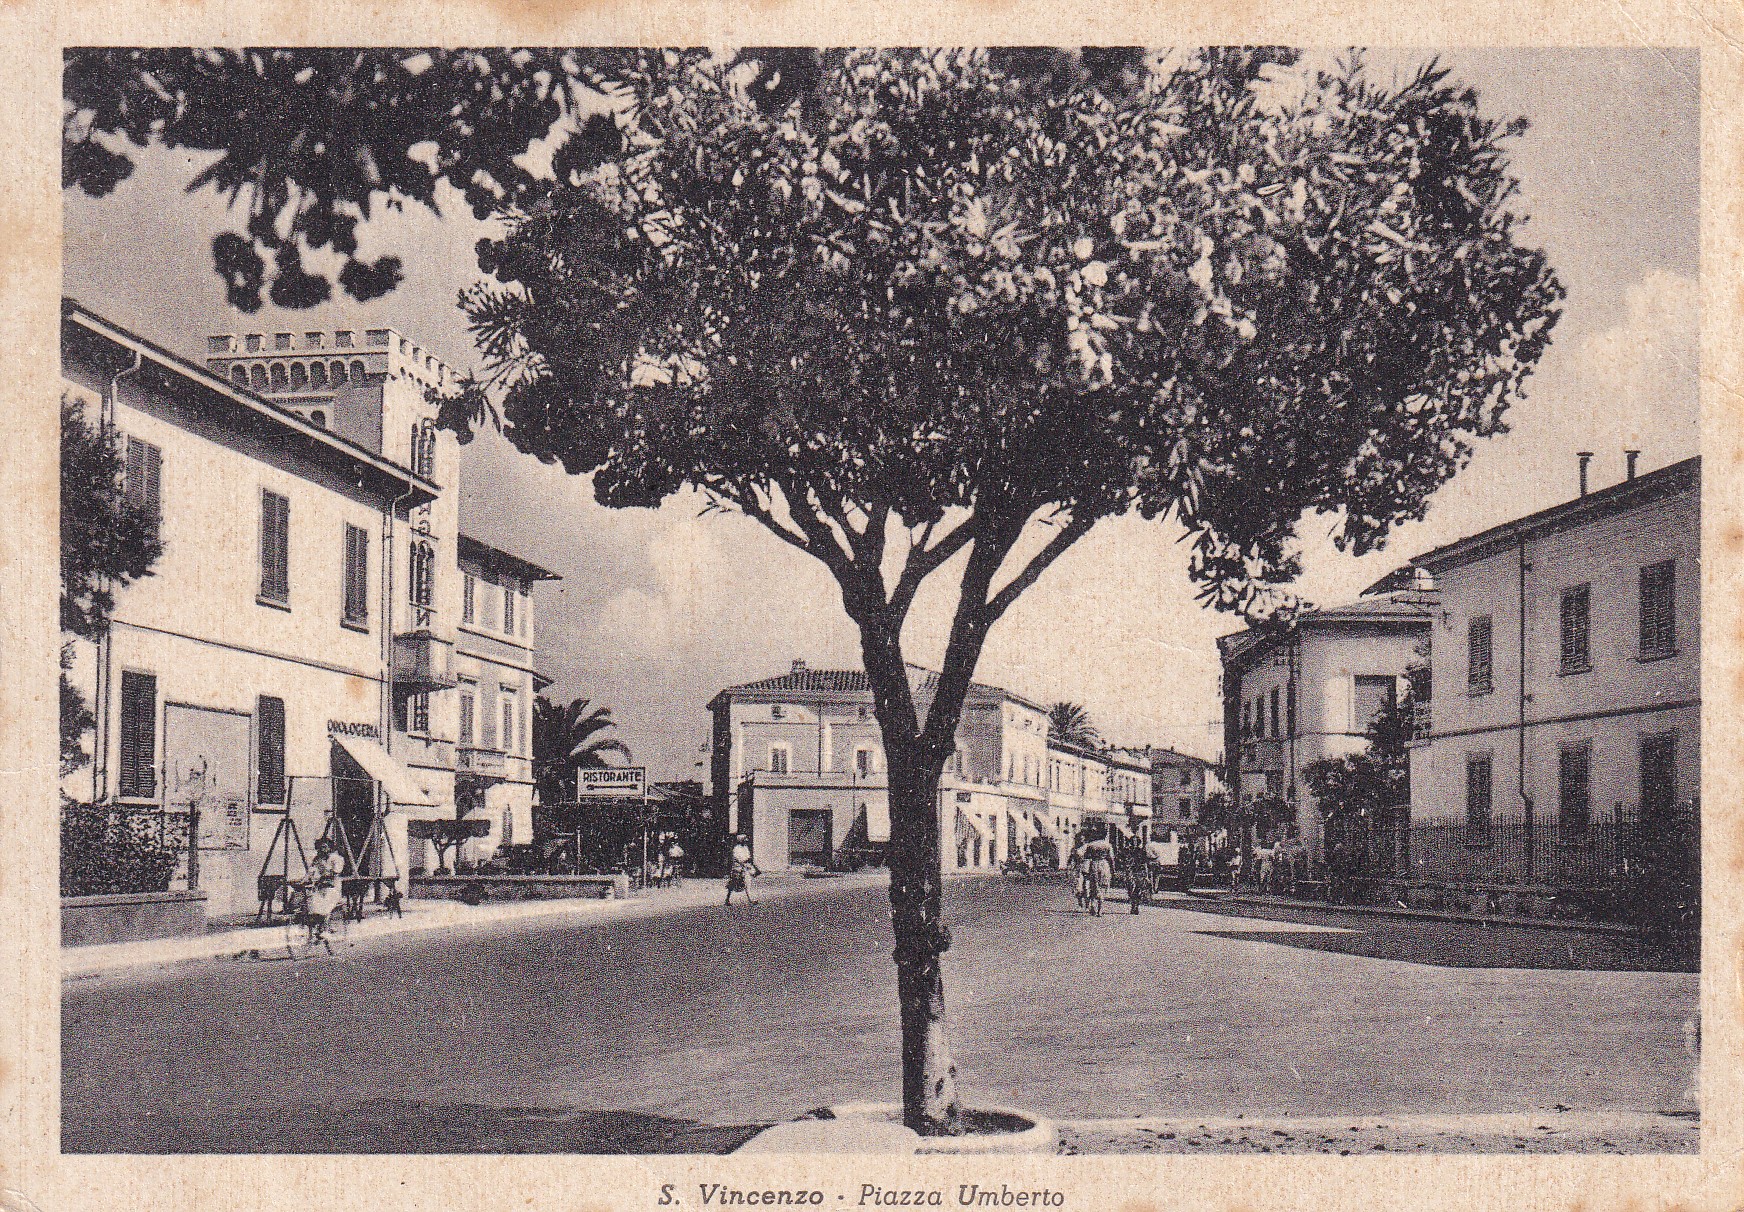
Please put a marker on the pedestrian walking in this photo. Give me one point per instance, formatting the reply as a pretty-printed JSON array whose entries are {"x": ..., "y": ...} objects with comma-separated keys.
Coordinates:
[
  {"x": 675, "y": 858},
  {"x": 1235, "y": 870},
  {"x": 741, "y": 870},
  {"x": 1268, "y": 867}
]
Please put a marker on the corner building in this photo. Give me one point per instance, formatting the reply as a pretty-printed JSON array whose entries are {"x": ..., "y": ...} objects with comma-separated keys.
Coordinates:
[
  {"x": 1567, "y": 667},
  {"x": 797, "y": 765}
]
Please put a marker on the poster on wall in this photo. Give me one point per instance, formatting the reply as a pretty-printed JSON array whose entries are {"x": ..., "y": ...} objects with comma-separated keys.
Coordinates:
[{"x": 206, "y": 767}]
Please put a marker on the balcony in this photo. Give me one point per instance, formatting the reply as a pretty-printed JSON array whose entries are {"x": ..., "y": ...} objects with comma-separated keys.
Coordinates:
[
  {"x": 423, "y": 662},
  {"x": 482, "y": 761}
]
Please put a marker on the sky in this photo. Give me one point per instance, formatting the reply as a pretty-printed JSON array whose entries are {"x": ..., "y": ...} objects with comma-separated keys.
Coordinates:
[{"x": 660, "y": 608}]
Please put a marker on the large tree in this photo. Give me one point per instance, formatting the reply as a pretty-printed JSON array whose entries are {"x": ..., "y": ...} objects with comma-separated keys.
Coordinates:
[
  {"x": 947, "y": 310},
  {"x": 935, "y": 314}
]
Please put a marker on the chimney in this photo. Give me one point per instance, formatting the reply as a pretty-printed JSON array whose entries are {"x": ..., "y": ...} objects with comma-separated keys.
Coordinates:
[
  {"x": 798, "y": 666},
  {"x": 1585, "y": 457},
  {"x": 1629, "y": 457}
]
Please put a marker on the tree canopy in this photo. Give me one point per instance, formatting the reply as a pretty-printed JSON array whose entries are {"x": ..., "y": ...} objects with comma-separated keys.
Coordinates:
[
  {"x": 1071, "y": 723},
  {"x": 566, "y": 739},
  {"x": 109, "y": 538}
]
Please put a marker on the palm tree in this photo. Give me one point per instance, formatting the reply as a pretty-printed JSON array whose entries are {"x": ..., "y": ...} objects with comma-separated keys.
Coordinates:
[
  {"x": 1070, "y": 723},
  {"x": 566, "y": 739}
]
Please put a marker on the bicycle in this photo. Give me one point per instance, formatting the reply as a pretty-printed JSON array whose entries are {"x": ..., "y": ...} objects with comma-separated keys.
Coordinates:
[
  {"x": 1093, "y": 893},
  {"x": 315, "y": 927}
]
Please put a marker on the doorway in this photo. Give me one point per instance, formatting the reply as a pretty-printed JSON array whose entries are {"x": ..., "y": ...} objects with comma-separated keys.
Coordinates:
[{"x": 808, "y": 837}]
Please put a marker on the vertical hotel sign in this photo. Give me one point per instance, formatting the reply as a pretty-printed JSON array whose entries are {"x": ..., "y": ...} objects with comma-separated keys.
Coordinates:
[{"x": 621, "y": 782}]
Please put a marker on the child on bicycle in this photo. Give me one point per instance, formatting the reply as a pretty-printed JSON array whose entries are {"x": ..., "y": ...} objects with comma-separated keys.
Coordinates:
[{"x": 323, "y": 889}]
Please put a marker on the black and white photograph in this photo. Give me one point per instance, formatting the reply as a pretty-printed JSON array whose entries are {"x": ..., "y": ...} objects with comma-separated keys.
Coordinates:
[{"x": 979, "y": 604}]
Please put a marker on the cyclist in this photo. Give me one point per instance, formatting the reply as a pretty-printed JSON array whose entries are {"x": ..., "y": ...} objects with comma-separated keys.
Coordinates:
[
  {"x": 1099, "y": 870},
  {"x": 322, "y": 889},
  {"x": 742, "y": 869}
]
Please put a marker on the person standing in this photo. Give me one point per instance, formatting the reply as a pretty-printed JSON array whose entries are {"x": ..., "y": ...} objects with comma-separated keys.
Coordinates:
[
  {"x": 740, "y": 870},
  {"x": 675, "y": 858}
]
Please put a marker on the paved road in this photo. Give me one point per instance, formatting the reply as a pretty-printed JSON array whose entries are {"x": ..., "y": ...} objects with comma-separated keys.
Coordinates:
[{"x": 631, "y": 1033}]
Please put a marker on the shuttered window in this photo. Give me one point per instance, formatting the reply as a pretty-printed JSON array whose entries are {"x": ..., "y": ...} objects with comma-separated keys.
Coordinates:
[
  {"x": 356, "y": 576},
  {"x": 1478, "y": 668},
  {"x": 269, "y": 722},
  {"x": 142, "y": 476},
  {"x": 1576, "y": 629},
  {"x": 275, "y": 547},
  {"x": 138, "y": 773},
  {"x": 466, "y": 719},
  {"x": 468, "y": 598},
  {"x": 1658, "y": 775},
  {"x": 1276, "y": 721},
  {"x": 508, "y": 610},
  {"x": 1478, "y": 793},
  {"x": 418, "y": 711},
  {"x": 1374, "y": 694},
  {"x": 1658, "y": 618},
  {"x": 508, "y": 723},
  {"x": 1574, "y": 779},
  {"x": 487, "y": 718}
]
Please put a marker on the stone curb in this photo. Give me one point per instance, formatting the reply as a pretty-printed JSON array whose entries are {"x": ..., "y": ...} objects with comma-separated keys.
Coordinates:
[
  {"x": 1500, "y": 1133},
  {"x": 422, "y": 917},
  {"x": 877, "y": 1128},
  {"x": 1431, "y": 915}
]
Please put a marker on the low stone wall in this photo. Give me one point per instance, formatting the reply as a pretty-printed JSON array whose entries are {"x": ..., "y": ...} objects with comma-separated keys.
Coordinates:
[
  {"x": 476, "y": 888},
  {"x": 126, "y": 917}
]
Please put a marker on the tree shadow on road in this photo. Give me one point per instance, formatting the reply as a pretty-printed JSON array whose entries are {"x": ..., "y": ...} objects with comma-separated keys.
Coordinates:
[
  {"x": 1465, "y": 945},
  {"x": 407, "y": 1126}
]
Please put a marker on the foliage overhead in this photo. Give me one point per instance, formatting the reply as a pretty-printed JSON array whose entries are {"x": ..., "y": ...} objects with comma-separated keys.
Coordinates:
[
  {"x": 1025, "y": 284},
  {"x": 315, "y": 141},
  {"x": 1071, "y": 724}
]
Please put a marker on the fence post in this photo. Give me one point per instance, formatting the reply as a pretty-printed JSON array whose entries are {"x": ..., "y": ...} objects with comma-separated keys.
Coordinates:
[{"x": 193, "y": 847}]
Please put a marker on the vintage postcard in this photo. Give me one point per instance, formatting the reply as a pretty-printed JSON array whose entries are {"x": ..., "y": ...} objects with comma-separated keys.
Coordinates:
[{"x": 1033, "y": 608}]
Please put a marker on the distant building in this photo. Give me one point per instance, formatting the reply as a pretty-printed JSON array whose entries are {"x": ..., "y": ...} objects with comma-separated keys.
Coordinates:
[
  {"x": 1566, "y": 666},
  {"x": 1177, "y": 787},
  {"x": 1295, "y": 694},
  {"x": 798, "y": 766}
]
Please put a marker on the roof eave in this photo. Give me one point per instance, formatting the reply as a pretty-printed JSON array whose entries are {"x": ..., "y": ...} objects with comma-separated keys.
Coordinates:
[{"x": 417, "y": 489}]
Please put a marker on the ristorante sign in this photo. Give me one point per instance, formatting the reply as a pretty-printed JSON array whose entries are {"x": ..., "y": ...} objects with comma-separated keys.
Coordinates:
[{"x": 618, "y": 782}]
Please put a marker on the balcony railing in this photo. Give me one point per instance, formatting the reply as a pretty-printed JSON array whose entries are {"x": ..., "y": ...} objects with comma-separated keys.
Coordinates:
[
  {"x": 423, "y": 661},
  {"x": 482, "y": 760}
]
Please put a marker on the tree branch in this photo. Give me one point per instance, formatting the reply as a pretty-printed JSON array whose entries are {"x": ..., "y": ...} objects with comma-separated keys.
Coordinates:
[
  {"x": 923, "y": 561},
  {"x": 746, "y": 501},
  {"x": 1068, "y": 534}
]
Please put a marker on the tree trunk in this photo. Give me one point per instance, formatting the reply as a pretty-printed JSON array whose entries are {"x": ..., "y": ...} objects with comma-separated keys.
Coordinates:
[{"x": 929, "y": 1078}]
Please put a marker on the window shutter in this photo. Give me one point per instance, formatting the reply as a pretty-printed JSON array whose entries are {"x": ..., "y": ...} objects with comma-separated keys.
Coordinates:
[
  {"x": 275, "y": 522},
  {"x": 465, "y": 720},
  {"x": 138, "y": 734},
  {"x": 356, "y": 574},
  {"x": 153, "y": 477},
  {"x": 489, "y": 726},
  {"x": 270, "y": 723},
  {"x": 1658, "y": 620}
]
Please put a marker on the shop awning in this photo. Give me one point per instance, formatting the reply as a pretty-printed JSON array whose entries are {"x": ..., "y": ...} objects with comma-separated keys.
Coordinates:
[
  {"x": 963, "y": 818},
  {"x": 877, "y": 820},
  {"x": 396, "y": 781}
]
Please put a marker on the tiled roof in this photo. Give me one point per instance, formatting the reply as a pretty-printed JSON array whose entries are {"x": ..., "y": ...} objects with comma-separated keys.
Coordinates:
[
  {"x": 811, "y": 681},
  {"x": 855, "y": 682}
]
